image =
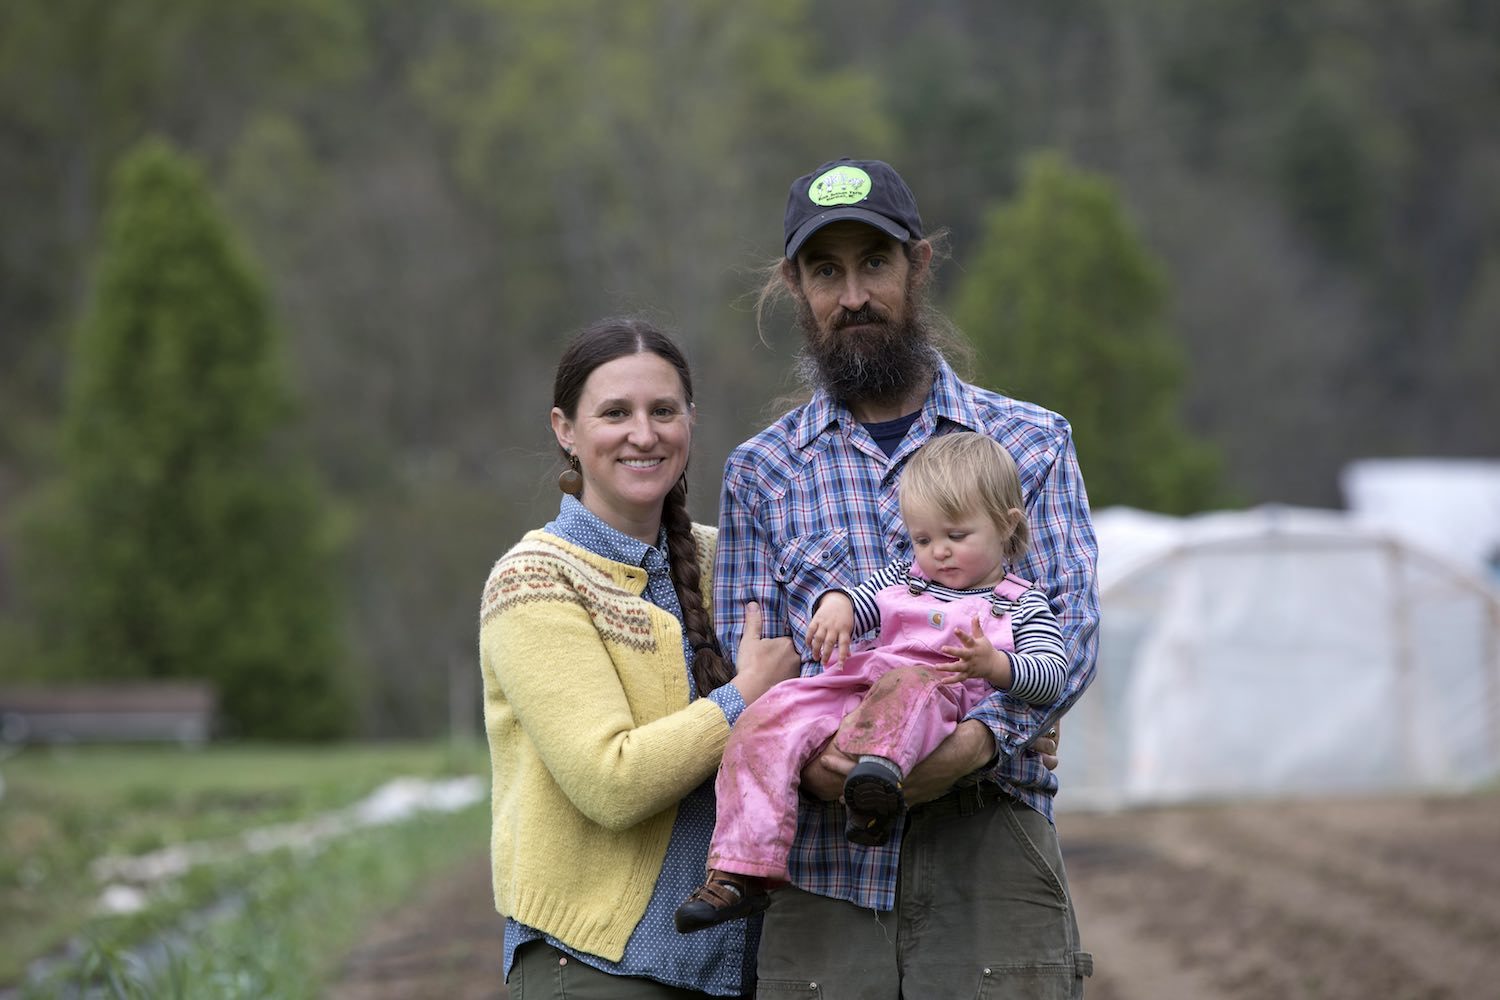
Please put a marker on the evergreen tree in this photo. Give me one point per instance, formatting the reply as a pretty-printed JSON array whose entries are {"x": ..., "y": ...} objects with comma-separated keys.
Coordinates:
[
  {"x": 1066, "y": 309},
  {"x": 186, "y": 538}
]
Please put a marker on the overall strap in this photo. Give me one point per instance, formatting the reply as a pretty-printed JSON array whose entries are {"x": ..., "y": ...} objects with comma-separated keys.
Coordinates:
[{"x": 1006, "y": 593}]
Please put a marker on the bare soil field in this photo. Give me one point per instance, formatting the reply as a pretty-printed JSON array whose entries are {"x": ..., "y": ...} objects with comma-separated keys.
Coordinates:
[
  {"x": 1342, "y": 900},
  {"x": 1350, "y": 899}
]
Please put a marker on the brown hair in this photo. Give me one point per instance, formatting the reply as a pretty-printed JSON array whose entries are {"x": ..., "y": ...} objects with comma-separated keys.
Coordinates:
[
  {"x": 958, "y": 473},
  {"x": 599, "y": 344}
]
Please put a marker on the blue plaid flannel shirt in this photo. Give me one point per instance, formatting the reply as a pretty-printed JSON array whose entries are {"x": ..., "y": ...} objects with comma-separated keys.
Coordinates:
[{"x": 810, "y": 504}]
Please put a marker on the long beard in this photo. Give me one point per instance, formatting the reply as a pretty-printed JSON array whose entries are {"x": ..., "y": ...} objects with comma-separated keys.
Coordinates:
[{"x": 884, "y": 363}]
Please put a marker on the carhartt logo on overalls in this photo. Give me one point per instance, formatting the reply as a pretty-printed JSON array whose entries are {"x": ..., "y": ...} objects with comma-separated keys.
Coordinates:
[{"x": 935, "y": 619}]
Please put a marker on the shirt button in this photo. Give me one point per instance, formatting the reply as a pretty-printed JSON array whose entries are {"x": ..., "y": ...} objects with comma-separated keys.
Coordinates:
[{"x": 563, "y": 960}]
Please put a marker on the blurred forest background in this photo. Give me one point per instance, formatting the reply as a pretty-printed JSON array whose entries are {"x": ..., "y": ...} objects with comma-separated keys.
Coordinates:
[{"x": 1238, "y": 243}]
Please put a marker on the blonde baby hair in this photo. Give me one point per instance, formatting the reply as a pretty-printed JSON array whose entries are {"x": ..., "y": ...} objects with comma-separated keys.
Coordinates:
[{"x": 956, "y": 474}]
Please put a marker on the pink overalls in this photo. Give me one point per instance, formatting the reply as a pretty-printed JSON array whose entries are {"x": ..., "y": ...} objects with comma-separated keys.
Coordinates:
[{"x": 882, "y": 701}]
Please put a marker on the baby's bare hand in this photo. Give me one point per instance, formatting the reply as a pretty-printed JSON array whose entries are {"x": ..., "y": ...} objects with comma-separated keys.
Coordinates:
[
  {"x": 823, "y": 641},
  {"x": 831, "y": 629},
  {"x": 974, "y": 656}
]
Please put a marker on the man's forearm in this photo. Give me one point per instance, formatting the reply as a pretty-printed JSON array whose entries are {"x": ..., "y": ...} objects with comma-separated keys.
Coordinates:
[{"x": 970, "y": 747}]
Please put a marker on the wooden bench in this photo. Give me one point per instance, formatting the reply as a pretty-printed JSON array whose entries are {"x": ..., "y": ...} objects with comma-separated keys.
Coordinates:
[{"x": 114, "y": 712}]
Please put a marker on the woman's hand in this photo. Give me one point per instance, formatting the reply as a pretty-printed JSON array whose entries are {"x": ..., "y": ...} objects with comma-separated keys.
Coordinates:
[{"x": 762, "y": 663}]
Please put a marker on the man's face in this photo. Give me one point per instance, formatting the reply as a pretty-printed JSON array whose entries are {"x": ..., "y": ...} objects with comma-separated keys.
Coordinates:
[{"x": 857, "y": 310}]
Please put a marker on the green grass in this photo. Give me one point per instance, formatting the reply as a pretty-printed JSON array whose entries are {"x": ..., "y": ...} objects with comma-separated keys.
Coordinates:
[{"x": 65, "y": 808}]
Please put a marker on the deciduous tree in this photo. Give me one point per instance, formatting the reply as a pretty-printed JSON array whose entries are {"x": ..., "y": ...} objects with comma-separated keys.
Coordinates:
[{"x": 1066, "y": 308}]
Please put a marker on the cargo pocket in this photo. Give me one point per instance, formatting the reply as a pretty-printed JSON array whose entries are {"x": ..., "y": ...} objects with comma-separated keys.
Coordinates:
[{"x": 1050, "y": 981}]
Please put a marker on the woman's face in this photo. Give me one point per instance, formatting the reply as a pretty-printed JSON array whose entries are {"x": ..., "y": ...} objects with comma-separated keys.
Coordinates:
[{"x": 632, "y": 433}]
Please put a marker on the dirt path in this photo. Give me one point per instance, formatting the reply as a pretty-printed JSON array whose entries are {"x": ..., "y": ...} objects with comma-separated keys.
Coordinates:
[
  {"x": 444, "y": 945},
  {"x": 1390, "y": 898}
]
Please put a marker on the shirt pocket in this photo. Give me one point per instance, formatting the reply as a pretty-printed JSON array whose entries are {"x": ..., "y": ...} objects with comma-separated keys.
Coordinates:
[{"x": 807, "y": 566}]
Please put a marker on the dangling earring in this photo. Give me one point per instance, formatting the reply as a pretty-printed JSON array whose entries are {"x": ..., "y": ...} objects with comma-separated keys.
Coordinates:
[{"x": 570, "y": 480}]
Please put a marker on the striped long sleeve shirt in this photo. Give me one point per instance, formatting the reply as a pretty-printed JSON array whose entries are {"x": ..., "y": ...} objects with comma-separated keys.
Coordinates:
[{"x": 1038, "y": 664}]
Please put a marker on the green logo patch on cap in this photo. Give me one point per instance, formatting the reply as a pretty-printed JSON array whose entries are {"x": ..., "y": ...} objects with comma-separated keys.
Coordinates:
[{"x": 842, "y": 185}]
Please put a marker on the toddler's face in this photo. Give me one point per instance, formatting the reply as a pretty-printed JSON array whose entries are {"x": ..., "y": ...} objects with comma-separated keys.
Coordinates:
[{"x": 964, "y": 552}]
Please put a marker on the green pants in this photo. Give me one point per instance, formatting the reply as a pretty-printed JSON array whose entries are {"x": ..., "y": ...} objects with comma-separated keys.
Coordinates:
[
  {"x": 982, "y": 910},
  {"x": 541, "y": 972}
]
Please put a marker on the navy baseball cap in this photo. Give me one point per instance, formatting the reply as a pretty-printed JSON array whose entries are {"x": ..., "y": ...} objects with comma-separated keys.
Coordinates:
[{"x": 867, "y": 191}]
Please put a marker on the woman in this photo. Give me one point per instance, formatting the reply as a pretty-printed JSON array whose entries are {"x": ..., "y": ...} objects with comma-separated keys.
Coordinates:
[{"x": 607, "y": 701}]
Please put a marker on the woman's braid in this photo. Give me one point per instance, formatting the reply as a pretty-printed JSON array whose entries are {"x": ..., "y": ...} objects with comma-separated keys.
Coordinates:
[{"x": 709, "y": 667}]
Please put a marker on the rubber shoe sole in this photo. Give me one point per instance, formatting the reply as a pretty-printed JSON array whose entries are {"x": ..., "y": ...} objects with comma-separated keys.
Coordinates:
[{"x": 873, "y": 798}]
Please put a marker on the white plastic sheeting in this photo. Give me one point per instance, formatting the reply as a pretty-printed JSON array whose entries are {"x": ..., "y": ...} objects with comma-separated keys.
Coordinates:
[
  {"x": 1448, "y": 505},
  {"x": 1281, "y": 651},
  {"x": 397, "y": 800}
]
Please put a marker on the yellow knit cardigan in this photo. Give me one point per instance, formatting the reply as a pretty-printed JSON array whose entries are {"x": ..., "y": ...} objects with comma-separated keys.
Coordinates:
[{"x": 593, "y": 740}]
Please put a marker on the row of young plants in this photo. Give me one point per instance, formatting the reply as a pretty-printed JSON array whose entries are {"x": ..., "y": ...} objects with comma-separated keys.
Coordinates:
[{"x": 247, "y": 924}]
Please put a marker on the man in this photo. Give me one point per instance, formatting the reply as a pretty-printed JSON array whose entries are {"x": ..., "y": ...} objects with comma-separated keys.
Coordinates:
[{"x": 970, "y": 895}]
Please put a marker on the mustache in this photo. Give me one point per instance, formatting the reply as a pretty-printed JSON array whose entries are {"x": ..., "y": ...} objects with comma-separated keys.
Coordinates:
[{"x": 865, "y": 315}]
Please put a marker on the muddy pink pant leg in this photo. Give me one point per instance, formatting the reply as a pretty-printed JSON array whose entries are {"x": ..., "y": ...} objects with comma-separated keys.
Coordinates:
[
  {"x": 906, "y": 714},
  {"x": 762, "y": 769}
]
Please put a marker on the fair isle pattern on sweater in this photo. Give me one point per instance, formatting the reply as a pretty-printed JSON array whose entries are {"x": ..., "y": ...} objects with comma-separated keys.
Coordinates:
[
  {"x": 577, "y": 846},
  {"x": 720, "y": 960},
  {"x": 540, "y": 571}
]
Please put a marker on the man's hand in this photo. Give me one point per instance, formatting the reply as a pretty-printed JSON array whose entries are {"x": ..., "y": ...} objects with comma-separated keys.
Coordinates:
[
  {"x": 969, "y": 748},
  {"x": 1045, "y": 746},
  {"x": 823, "y": 776}
]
